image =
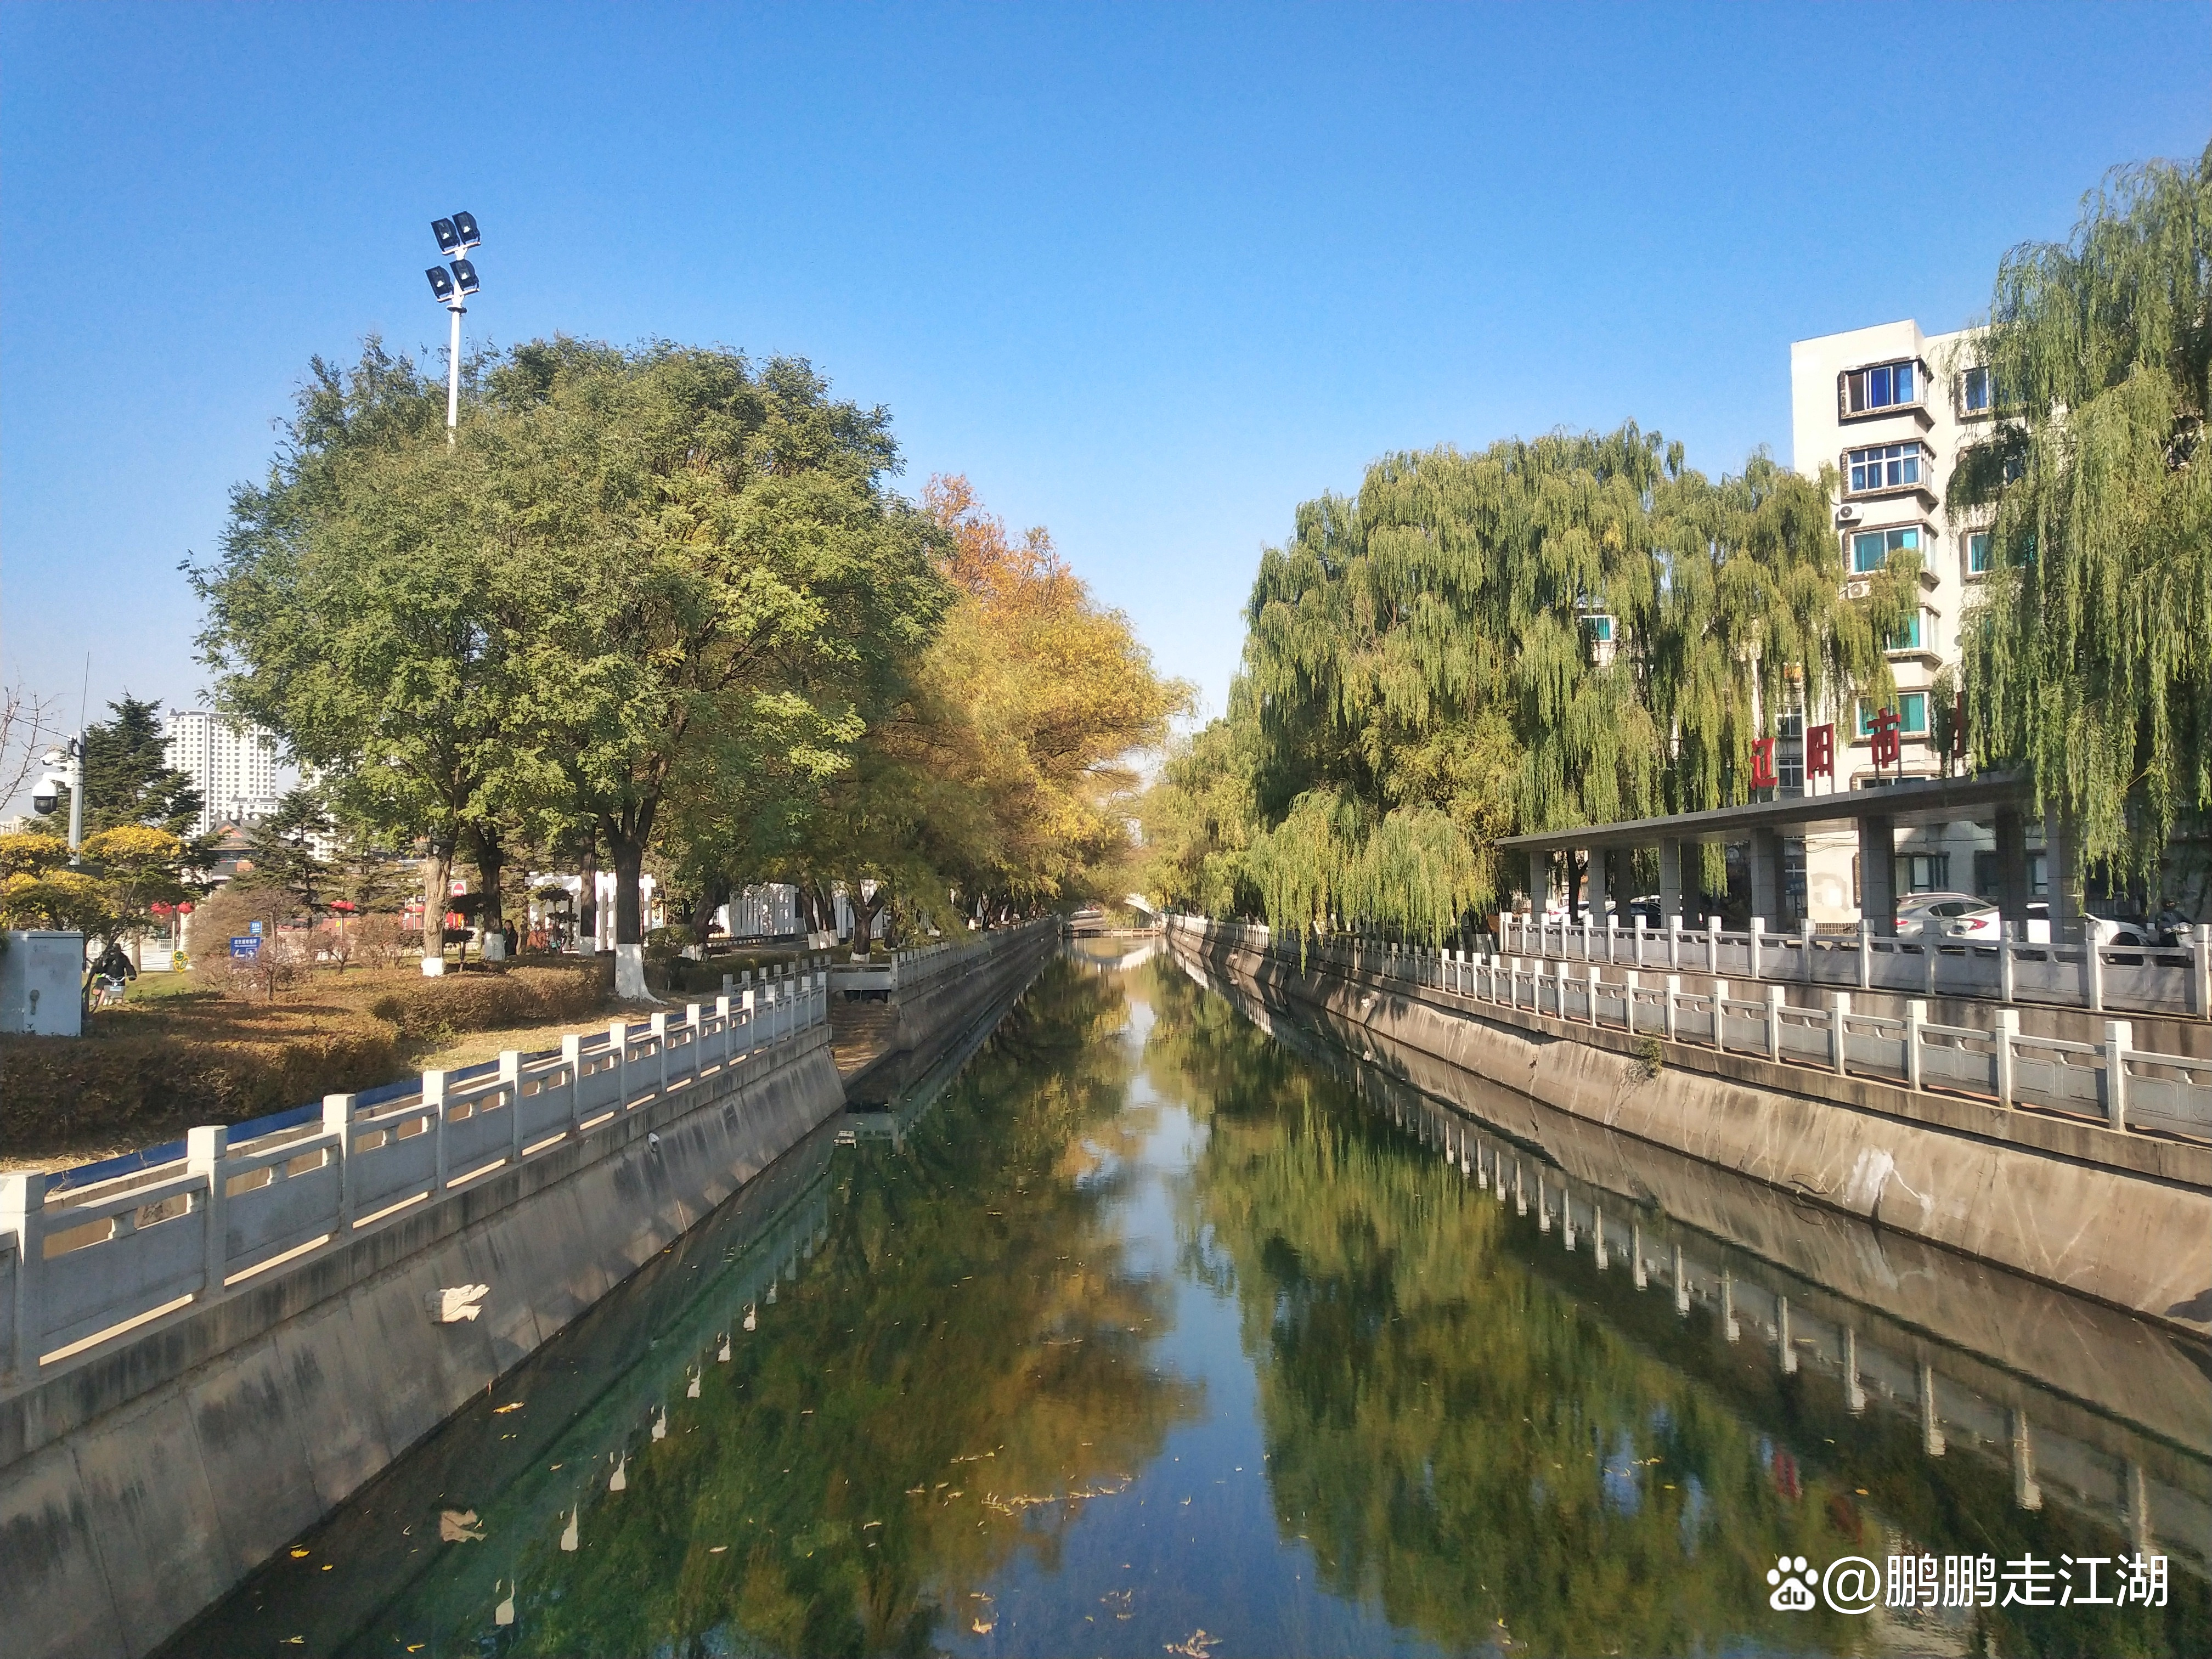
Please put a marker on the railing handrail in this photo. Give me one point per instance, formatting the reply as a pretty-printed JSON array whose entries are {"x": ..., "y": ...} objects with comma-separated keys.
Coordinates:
[
  {"x": 185, "y": 1228},
  {"x": 1998, "y": 1061}
]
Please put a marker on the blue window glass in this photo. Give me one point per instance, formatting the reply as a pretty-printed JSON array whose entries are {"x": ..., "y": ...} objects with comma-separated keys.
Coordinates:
[
  {"x": 1913, "y": 713},
  {"x": 1871, "y": 549},
  {"x": 1884, "y": 466},
  {"x": 1977, "y": 552},
  {"x": 1901, "y": 384},
  {"x": 1906, "y": 638},
  {"x": 1878, "y": 387},
  {"x": 1974, "y": 395}
]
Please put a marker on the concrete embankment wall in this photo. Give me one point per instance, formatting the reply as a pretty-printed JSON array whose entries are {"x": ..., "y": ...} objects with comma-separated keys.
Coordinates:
[
  {"x": 931, "y": 1018},
  {"x": 2125, "y": 1219},
  {"x": 137, "y": 1487}
]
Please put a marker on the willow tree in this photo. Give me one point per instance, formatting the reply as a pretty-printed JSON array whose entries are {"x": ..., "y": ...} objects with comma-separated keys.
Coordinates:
[
  {"x": 2090, "y": 660},
  {"x": 1570, "y": 630}
]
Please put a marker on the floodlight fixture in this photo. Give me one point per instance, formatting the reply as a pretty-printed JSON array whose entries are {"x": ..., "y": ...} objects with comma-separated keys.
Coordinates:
[
  {"x": 449, "y": 238},
  {"x": 465, "y": 227},
  {"x": 441, "y": 285},
  {"x": 465, "y": 275}
]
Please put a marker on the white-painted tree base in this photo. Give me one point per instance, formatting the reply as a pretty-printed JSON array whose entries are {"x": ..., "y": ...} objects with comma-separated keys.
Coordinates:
[
  {"x": 630, "y": 974},
  {"x": 433, "y": 967},
  {"x": 494, "y": 947}
]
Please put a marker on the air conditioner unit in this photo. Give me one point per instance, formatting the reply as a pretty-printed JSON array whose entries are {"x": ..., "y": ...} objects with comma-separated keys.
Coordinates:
[{"x": 1847, "y": 515}]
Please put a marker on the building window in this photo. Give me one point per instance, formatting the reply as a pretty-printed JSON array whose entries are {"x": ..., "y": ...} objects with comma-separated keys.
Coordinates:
[
  {"x": 1976, "y": 387},
  {"x": 1979, "y": 554},
  {"x": 1601, "y": 630},
  {"x": 1871, "y": 549},
  {"x": 1911, "y": 716},
  {"x": 1886, "y": 466},
  {"x": 1789, "y": 757},
  {"x": 1906, "y": 638},
  {"x": 1924, "y": 872},
  {"x": 1885, "y": 386}
]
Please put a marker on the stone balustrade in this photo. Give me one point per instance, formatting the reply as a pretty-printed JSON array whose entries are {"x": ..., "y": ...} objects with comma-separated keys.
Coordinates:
[
  {"x": 2128, "y": 1088},
  {"x": 89, "y": 1255}
]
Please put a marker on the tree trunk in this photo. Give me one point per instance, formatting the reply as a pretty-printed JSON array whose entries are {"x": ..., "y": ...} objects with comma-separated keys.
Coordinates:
[
  {"x": 716, "y": 895},
  {"x": 491, "y": 859},
  {"x": 437, "y": 873},
  {"x": 628, "y": 855},
  {"x": 587, "y": 900},
  {"x": 865, "y": 908}
]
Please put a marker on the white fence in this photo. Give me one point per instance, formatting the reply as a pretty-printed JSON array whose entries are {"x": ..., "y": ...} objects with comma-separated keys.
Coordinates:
[
  {"x": 82, "y": 1264},
  {"x": 2135, "y": 979},
  {"x": 906, "y": 969},
  {"x": 2128, "y": 1088}
]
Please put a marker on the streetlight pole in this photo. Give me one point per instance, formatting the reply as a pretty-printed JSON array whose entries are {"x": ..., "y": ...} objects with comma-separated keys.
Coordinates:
[
  {"x": 454, "y": 371},
  {"x": 451, "y": 287}
]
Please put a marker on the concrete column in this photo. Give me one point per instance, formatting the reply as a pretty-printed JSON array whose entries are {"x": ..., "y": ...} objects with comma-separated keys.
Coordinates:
[
  {"x": 1598, "y": 891},
  {"x": 1670, "y": 879},
  {"x": 2060, "y": 878},
  {"x": 1540, "y": 882},
  {"x": 1767, "y": 877},
  {"x": 1878, "y": 873},
  {"x": 2012, "y": 871}
]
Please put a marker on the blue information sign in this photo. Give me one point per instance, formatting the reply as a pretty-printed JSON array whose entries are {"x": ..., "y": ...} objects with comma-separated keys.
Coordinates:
[{"x": 248, "y": 946}]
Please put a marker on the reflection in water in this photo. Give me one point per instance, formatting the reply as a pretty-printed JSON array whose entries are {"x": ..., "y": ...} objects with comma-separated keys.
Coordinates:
[{"x": 1154, "y": 1331}]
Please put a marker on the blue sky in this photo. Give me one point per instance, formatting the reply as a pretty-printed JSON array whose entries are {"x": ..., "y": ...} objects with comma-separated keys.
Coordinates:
[{"x": 1149, "y": 277}]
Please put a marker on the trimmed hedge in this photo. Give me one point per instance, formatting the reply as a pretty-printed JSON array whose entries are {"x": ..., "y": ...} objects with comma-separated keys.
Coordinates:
[{"x": 146, "y": 1074}]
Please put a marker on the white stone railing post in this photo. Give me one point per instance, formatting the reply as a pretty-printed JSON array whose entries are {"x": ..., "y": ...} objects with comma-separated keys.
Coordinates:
[
  {"x": 1675, "y": 942},
  {"x": 1776, "y": 999},
  {"x": 337, "y": 1122},
  {"x": 1597, "y": 979},
  {"x": 2092, "y": 970},
  {"x": 659, "y": 1026},
  {"x": 1712, "y": 944},
  {"x": 1839, "y": 1011},
  {"x": 1805, "y": 943},
  {"x": 2119, "y": 1037},
  {"x": 2007, "y": 1027},
  {"x": 618, "y": 1045},
  {"x": 2200, "y": 971},
  {"x": 572, "y": 1059},
  {"x": 1720, "y": 1014},
  {"x": 1866, "y": 956},
  {"x": 1916, "y": 1016},
  {"x": 2008, "y": 964},
  {"x": 205, "y": 1148},
  {"x": 22, "y": 1212},
  {"x": 1673, "y": 997},
  {"x": 510, "y": 1074},
  {"x": 1758, "y": 939}
]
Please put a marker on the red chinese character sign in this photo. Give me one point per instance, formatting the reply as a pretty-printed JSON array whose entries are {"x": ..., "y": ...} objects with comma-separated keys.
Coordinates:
[
  {"x": 1820, "y": 752},
  {"x": 1762, "y": 763},
  {"x": 1884, "y": 733}
]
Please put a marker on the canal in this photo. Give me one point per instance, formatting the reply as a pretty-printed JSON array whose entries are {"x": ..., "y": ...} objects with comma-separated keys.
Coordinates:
[{"x": 1164, "y": 1323}]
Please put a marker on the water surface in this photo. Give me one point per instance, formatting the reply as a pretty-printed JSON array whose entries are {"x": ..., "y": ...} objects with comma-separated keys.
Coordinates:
[{"x": 1158, "y": 1329}]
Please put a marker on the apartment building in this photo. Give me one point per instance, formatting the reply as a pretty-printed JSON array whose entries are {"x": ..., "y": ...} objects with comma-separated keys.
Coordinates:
[
  {"x": 1890, "y": 408},
  {"x": 232, "y": 766}
]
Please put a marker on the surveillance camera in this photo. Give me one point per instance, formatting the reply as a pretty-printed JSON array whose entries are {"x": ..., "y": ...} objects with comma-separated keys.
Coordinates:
[{"x": 44, "y": 800}]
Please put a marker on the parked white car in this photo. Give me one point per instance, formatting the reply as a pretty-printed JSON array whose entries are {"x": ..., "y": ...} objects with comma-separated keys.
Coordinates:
[{"x": 1954, "y": 916}]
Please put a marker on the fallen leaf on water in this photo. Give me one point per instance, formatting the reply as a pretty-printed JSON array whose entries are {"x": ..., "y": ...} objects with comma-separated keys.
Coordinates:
[
  {"x": 716, "y": 1549},
  {"x": 458, "y": 1527},
  {"x": 297, "y": 1553},
  {"x": 502, "y": 1410},
  {"x": 1194, "y": 1645}
]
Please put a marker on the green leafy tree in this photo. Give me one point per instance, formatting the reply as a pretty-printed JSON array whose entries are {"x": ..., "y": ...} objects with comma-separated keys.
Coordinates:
[
  {"x": 721, "y": 581},
  {"x": 2088, "y": 657},
  {"x": 359, "y": 608},
  {"x": 283, "y": 857}
]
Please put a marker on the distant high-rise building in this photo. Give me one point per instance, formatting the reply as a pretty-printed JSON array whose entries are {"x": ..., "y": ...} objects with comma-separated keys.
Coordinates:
[{"x": 233, "y": 765}]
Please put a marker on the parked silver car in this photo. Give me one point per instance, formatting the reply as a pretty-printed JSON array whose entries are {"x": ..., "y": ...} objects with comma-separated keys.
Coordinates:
[{"x": 1954, "y": 915}]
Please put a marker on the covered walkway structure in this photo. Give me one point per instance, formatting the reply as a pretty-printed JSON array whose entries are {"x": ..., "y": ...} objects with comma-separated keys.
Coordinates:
[{"x": 1873, "y": 815}]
